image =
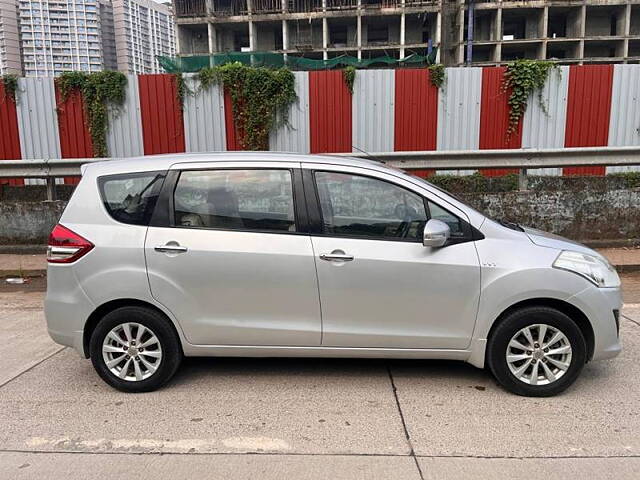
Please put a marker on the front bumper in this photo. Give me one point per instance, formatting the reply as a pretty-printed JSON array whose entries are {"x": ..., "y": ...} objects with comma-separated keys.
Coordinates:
[{"x": 599, "y": 305}]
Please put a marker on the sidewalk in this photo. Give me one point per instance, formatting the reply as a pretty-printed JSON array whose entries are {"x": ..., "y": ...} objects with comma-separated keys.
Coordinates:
[
  {"x": 624, "y": 259},
  {"x": 23, "y": 265}
]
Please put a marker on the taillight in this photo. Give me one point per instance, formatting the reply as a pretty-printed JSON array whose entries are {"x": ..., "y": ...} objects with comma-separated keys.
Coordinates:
[{"x": 66, "y": 246}]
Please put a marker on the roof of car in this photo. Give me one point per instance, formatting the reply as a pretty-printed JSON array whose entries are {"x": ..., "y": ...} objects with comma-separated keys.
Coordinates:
[{"x": 162, "y": 162}]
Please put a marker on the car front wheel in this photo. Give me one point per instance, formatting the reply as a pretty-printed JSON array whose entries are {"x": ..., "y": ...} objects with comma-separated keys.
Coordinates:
[
  {"x": 134, "y": 349},
  {"x": 536, "y": 351}
]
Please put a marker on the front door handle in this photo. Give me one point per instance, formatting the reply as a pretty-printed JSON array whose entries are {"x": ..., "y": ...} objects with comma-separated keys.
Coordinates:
[
  {"x": 170, "y": 248},
  {"x": 336, "y": 257}
]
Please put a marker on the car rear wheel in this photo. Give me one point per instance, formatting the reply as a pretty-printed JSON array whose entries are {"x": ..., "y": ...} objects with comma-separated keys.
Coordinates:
[
  {"x": 134, "y": 349},
  {"x": 536, "y": 351}
]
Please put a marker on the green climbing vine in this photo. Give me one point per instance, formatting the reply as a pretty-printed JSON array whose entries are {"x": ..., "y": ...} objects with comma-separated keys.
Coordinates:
[
  {"x": 522, "y": 78},
  {"x": 181, "y": 89},
  {"x": 209, "y": 77},
  {"x": 10, "y": 84},
  {"x": 349, "y": 76},
  {"x": 99, "y": 91},
  {"x": 260, "y": 97},
  {"x": 436, "y": 74}
]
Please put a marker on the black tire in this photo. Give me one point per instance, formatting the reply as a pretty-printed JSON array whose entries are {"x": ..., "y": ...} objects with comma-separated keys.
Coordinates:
[
  {"x": 159, "y": 325},
  {"x": 519, "y": 319}
]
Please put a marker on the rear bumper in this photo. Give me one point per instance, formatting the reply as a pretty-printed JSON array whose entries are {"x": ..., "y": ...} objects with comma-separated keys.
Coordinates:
[
  {"x": 69, "y": 339},
  {"x": 66, "y": 307},
  {"x": 599, "y": 304}
]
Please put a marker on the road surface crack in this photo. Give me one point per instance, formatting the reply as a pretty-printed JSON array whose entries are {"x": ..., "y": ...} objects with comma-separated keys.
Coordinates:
[
  {"x": 412, "y": 452},
  {"x": 630, "y": 319},
  {"x": 32, "y": 367}
]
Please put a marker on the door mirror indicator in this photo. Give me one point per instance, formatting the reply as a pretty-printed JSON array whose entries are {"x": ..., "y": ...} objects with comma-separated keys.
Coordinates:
[{"x": 436, "y": 233}]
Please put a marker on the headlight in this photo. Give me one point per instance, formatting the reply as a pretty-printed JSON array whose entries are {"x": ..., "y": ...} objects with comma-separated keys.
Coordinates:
[{"x": 594, "y": 269}]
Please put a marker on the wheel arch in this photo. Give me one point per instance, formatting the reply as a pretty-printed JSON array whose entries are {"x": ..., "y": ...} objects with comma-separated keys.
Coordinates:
[
  {"x": 570, "y": 310},
  {"x": 110, "y": 306}
]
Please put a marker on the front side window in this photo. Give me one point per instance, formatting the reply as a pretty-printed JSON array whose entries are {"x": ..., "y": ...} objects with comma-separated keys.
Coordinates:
[
  {"x": 131, "y": 198},
  {"x": 250, "y": 199},
  {"x": 359, "y": 206}
]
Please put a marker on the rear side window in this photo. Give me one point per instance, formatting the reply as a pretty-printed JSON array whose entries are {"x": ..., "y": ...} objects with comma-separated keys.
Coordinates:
[
  {"x": 130, "y": 198},
  {"x": 235, "y": 199}
]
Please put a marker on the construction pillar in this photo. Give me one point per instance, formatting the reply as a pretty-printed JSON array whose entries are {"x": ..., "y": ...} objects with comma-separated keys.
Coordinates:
[
  {"x": 402, "y": 30},
  {"x": 253, "y": 34},
  {"x": 253, "y": 41},
  {"x": 359, "y": 36},
  {"x": 213, "y": 42},
  {"x": 325, "y": 31},
  {"x": 285, "y": 36},
  {"x": 626, "y": 30},
  {"x": 438, "y": 39},
  {"x": 582, "y": 30},
  {"x": 213, "y": 38},
  {"x": 460, "y": 34},
  {"x": 497, "y": 56},
  {"x": 544, "y": 32},
  {"x": 178, "y": 44},
  {"x": 285, "y": 29}
]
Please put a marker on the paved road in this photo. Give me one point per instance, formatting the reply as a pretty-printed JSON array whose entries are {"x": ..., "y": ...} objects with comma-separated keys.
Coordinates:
[{"x": 305, "y": 419}]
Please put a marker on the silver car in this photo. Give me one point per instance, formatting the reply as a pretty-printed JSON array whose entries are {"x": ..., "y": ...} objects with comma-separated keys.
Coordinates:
[{"x": 269, "y": 254}]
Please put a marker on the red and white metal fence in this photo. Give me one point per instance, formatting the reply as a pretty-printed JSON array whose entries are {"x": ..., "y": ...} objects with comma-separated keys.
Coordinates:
[{"x": 389, "y": 111}]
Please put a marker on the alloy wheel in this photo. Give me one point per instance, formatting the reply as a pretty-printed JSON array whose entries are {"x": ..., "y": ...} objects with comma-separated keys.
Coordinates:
[
  {"x": 539, "y": 354},
  {"x": 132, "y": 352}
]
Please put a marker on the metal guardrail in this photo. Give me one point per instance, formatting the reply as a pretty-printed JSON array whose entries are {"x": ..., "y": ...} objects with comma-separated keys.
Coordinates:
[
  {"x": 523, "y": 160},
  {"x": 45, "y": 169}
]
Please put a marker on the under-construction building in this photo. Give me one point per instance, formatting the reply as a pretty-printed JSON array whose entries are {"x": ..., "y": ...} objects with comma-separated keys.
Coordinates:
[{"x": 463, "y": 31}]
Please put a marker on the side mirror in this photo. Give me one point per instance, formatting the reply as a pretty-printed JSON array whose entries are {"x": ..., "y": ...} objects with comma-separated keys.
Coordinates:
[{"x": 436, "y": 233}]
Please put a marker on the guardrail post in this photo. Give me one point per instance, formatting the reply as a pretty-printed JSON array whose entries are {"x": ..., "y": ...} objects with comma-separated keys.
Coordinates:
[
  {"x": 51, "y": 189},
  {"x": 523, "y": 181}
]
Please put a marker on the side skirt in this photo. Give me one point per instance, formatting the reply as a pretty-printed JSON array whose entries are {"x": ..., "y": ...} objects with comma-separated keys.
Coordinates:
[{"x": 328, "y": 352}]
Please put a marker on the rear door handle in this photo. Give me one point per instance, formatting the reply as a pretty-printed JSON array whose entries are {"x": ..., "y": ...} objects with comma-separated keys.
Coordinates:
[
  {"x": 336, "y": 257},
  {"x": 170, "y": 248}
]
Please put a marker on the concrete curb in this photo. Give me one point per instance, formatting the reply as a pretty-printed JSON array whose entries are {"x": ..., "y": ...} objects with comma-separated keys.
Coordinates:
[
  {"x": 627, "y": 268},
  {"x": 23, "y": 249},
  {"x": 618, "y": 243},
  {"x": 26, "y": 273}
]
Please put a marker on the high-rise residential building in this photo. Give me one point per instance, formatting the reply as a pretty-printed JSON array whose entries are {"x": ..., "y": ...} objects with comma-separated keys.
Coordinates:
[
  {"x": 9, "y": 39},
  {"x": 144, "y": 29},
  {"x": 479, "y": 32},
  {"x": 47, "y": 37},
  {"x": 60, "y": 35}
]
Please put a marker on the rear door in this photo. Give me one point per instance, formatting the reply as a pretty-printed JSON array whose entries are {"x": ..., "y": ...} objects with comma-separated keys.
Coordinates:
[
  {"x": 229, "y": 254},
  {"x": 379, "y": 286}
]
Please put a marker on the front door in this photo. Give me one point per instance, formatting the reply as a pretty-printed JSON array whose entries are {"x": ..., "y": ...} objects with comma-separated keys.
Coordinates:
[
  {"x": 379, "y": 286},
  {"x": 233, "y": 265}
]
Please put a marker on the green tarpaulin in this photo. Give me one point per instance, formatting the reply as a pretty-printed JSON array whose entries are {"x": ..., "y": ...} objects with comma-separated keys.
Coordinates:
[{"x": 275, "y": 60}]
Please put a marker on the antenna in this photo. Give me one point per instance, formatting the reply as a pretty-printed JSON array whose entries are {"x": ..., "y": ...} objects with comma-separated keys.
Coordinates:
[{"x": 368, "y": 154}]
